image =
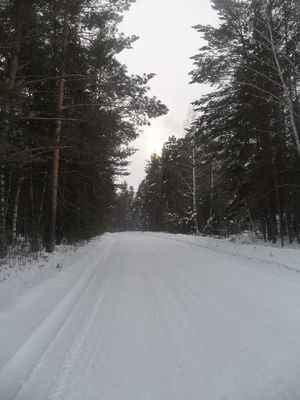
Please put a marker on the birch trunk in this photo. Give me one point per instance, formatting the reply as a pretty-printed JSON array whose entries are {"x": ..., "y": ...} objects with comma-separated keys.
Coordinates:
[
  {"x": 42, "y": 204},
  {"x": 15, "y": 211},
  {"x": 195, "y": 216},
  {"x": 34, "y": 242},
  {"x": 211, "y": 190},
  {"x": 286, "y": 91},
  {"x": 3, "y": 241}
]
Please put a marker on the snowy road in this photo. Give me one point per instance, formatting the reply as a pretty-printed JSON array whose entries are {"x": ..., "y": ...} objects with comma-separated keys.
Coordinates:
[{"x": 149, "y": 318}]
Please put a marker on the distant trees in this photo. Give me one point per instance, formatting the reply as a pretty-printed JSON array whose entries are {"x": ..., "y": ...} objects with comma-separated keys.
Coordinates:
[
  {"x": 181, "y": 191},
  {"x": 148, "y": 202},
  {"x": 122, "y": 216},
  {"x": 68, "y": 112},
  {"x": 245, "y": 169}
]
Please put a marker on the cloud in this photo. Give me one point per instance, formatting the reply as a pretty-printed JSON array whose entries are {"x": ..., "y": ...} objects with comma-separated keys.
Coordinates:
[{"x": 166, "y": 44}]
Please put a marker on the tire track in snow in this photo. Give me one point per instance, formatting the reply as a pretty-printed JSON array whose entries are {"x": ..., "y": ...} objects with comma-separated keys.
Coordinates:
[
  {"x": 60, "y": 389},
  {"x": 214, "y": 306},
  {"x": 163, "y": 321},
  {"x": 26, "y": 360}
]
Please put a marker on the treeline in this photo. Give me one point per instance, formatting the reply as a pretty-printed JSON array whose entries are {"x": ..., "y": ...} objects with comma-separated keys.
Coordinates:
[
  {"x": 239, "y": 165},
  {"x": 68, "y": 112}
]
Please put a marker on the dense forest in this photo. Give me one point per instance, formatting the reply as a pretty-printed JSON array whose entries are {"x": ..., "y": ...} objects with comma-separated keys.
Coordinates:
[
  {"x": 68, "y": 113},
  {"x": 238, "y": 166}
]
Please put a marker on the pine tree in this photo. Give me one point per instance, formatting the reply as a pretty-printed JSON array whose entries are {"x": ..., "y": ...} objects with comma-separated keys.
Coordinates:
[
  {"x": 250, "y": 118},
  {"x": 69, "y": 111}
]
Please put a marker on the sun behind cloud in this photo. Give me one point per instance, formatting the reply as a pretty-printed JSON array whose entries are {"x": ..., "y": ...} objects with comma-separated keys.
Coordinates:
[{"x": 154, "y": 145}]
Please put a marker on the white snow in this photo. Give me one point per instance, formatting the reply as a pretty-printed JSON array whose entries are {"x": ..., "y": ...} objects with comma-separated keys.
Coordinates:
[
  {"x": 144, "y": 316},
  {"x": 247, "y": 246}
]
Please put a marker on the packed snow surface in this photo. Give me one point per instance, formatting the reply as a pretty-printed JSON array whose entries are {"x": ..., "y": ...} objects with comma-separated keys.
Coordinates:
[{"x": 138, "y": 316}]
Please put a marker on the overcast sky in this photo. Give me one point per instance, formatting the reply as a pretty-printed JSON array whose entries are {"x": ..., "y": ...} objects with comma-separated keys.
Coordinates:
[{"x": 166, "y": 43}]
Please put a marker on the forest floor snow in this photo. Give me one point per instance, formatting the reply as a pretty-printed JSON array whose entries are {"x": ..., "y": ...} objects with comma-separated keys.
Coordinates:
[{"x": 144, "y": 316}]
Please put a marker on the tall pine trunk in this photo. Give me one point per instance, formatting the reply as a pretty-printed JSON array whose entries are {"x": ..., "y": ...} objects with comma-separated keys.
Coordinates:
[
  {"x": 14, "y": 62},
  {"x": 57, "y": 135},
  {"x": 11, "y": 81}
]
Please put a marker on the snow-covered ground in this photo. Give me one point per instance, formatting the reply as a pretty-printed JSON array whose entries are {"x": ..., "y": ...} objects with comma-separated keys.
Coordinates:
[
  {"x": 245, "y": 245},
  {"x": 141, "y": 316}
]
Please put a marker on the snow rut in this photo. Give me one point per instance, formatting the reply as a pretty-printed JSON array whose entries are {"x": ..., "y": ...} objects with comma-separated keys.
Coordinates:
[
  {"x": 25, "y": 363},
  {"x": 159, "y": 320},
  {"x": 65, "y": 374}
]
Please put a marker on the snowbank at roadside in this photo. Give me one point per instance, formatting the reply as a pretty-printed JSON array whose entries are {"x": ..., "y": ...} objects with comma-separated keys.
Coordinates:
[{"x": 245, "y": 246}]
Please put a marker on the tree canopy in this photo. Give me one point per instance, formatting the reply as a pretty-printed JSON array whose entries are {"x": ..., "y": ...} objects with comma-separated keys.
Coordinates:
[
  {"x": 69, "y": 110},
  {"x": 247, "y": 129}
]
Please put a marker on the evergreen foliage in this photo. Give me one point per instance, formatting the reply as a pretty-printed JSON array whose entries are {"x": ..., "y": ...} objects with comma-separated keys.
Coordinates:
[
  {"x": 247, "y": 131},
  {"x": 68, "y": 112}
]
